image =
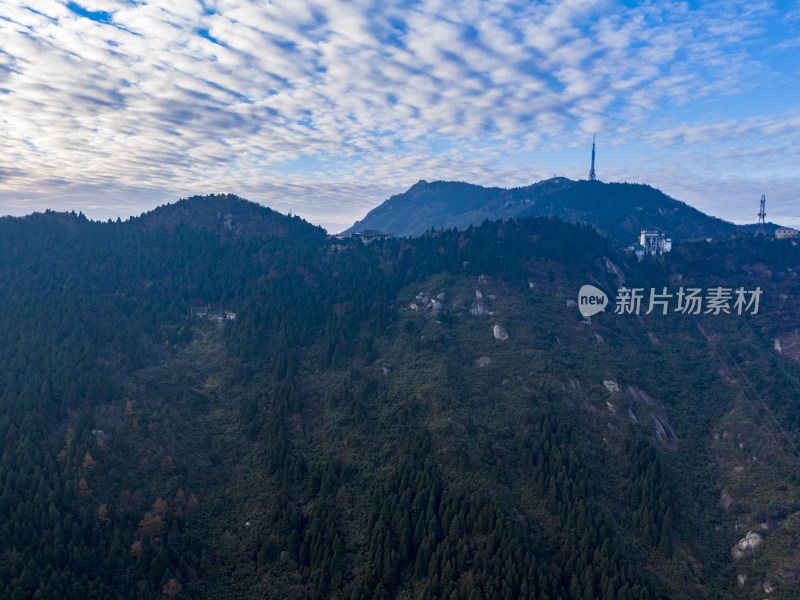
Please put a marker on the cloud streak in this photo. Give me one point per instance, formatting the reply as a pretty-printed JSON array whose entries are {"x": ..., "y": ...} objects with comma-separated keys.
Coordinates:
[{"x": 165, "y": 98}]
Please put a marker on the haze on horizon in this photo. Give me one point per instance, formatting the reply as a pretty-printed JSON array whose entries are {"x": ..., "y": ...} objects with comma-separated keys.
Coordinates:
[{"x": 325, "y": 108}]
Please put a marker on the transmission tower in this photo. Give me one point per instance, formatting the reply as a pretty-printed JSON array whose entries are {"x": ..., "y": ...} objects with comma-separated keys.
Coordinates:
[
  {"x": 592, "y": 176},
  {"x": 761, "y": 214}
]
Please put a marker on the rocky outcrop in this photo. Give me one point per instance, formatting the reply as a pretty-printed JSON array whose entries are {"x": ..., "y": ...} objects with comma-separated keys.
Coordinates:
[
  {"x": 665, "y": 434},
  {"x": 482, "y": 361},
  {"x": 725, "y": 500},
  {"x": 747, "y": 545},
  {"x": 612, "y": 268},
  {"x": 499, "y": 332},
  {"x": 477, "y": 309},
  {"x": 611, "y": 385}
]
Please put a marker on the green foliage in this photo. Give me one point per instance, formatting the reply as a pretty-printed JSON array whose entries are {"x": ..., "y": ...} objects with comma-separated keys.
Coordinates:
[{"x": 331, "y": 441}]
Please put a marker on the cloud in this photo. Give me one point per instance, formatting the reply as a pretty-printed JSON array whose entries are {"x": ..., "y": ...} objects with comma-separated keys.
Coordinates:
[{"x": 158, "y": 98}]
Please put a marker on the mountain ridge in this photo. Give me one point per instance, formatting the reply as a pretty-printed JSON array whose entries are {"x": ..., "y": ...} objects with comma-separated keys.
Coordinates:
[
  {"x": 228, "y": 215},
  {"x": 618, "y": 210}
]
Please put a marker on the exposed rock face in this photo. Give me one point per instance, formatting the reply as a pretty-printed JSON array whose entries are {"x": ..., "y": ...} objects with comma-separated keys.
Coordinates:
[
  {"x": 747, "y": 545},
  {"x": 639, "y": 395},
  {"x": 611, "y": 385},
  {"x": 436, "y": 305},
  {"x": 477, "y": 309},
  {"x": 612, "y": 268},
  {"x": 575, "y": 385},
  {"x": 500, "y": 333},
  {"x": 483, "y": 361},
  {"x": 725, "y": 500},
  {"x": 665, "y": 434}
]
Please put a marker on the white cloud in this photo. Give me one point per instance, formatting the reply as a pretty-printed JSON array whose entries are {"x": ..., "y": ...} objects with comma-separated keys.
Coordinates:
[{"x": 230, "y": 95}]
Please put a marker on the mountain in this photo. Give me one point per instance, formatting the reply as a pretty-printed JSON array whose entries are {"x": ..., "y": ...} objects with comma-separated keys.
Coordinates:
[
  {"x": 618, "y": 210},
  {"x": 415, "y": 418},
  {"x": 227, "y": 215}
]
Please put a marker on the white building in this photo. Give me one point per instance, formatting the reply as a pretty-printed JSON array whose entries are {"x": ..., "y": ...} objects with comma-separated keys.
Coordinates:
[
  {"x": 653, "y": 243},
  {"x": 783, "y": 233}
]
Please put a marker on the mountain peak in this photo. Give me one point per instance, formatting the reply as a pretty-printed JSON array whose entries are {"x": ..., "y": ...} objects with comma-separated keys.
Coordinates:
[
  {"x": 618, "y": 210},
  {"x": 226, "y": 214}
]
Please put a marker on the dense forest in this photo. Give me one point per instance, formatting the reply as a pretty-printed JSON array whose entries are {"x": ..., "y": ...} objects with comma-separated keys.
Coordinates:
[{"x": 424, "y": 417}]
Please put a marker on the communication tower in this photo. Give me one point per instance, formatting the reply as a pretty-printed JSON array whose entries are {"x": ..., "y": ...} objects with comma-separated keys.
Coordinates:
[
  {"x": 592, "y": 176},
  {"x": 761, "y": 214}
]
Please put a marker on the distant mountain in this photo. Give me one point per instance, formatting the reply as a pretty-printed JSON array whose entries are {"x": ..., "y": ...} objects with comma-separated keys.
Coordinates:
[
  {"x": 228, "y": 215},
  {"x": 618, "y": 210}
]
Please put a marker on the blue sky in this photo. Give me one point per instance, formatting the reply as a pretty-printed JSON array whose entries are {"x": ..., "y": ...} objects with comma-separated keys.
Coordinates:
[{"x": 325, "y": 108}]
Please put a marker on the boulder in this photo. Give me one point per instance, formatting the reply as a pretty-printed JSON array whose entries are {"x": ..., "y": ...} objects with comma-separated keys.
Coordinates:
[
  {"x": 747, "y": 545},
  {"x": 483, "y": 361},
  {"x": 499, "y": 332},
  {"x": 725, "y": 500},
  {"x": 611, "y": 385}
]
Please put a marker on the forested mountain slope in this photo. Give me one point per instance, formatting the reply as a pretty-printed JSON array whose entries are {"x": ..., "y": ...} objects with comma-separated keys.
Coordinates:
[
  {"x": 418, "y": 418},
  {"x": 618, "y": 210}
]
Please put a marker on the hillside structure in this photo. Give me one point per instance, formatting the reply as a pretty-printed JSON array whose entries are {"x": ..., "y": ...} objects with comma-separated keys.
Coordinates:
[
  {"x": 212, "y": 312},
  {"x": 653, "y": 243},
  {"x": 784, "y": 233},
  {"x": 367, "y": 236}
]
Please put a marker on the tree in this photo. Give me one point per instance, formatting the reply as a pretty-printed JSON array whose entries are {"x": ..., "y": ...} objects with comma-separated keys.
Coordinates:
[{"x": 172, "y": 588}]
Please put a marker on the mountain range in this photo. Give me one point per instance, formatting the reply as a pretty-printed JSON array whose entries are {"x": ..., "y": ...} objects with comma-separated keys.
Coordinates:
[{"x": 617, "y": 210}]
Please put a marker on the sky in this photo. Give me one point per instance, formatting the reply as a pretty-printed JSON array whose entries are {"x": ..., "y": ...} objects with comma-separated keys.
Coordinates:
[{"x": 325, "y": 108}]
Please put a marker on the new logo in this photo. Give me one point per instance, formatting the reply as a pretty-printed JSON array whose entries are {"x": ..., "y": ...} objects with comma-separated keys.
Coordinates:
[{"x": 591, "y": 300}]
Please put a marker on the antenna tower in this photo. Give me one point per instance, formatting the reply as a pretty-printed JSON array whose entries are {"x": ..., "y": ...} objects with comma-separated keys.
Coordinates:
[
  {"x": 761, "y": 214},
  {"x": 592, "y": 176}
]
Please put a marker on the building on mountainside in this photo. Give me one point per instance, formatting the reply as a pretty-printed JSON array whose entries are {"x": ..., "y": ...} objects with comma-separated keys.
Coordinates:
[
  {"x": 783, "y": 233},
  {"x": 213, "y": 312},
  {"x": 370, "y": 235},
  {"x": 367, "y": 236},
  {"x": 653, "y": 243}
]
